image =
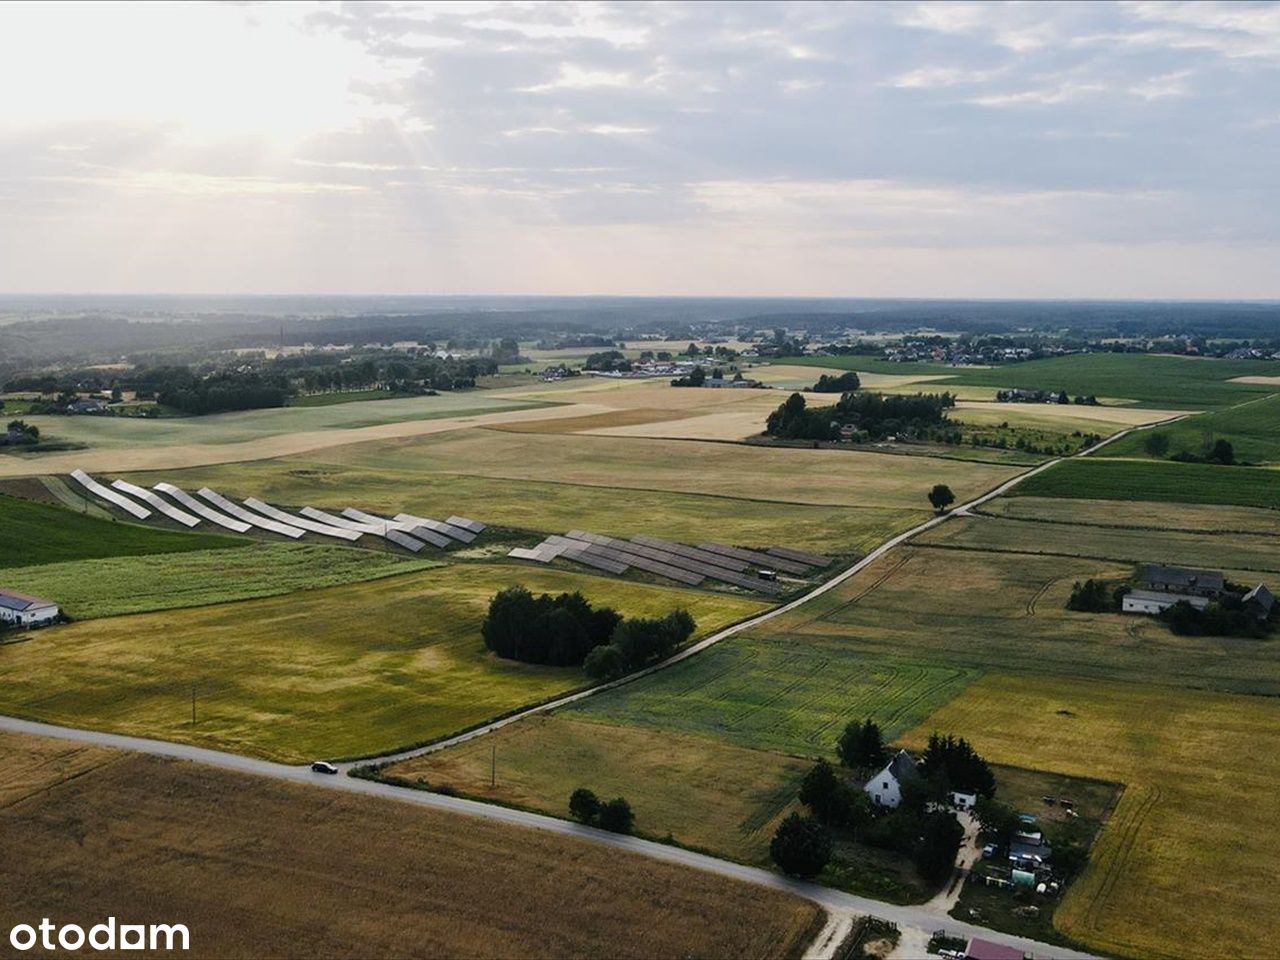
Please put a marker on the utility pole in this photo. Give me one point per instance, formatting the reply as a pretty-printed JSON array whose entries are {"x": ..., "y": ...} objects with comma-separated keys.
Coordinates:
[
  {"x": 193, "y": 704},
  {"x": 493, "y": 766}
]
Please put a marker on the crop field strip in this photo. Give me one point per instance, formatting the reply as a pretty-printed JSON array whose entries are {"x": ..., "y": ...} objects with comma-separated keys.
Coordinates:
[{"x": 1094, "y": 478}]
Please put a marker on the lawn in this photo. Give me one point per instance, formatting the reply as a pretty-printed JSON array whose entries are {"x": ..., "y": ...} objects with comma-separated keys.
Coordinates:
[
  {"x": 86, "y": 589},
  {"x": 700, "y": 791},
  {"x": 256, "y": 868},
  {"x": 1201, "y": 548},
  {"x": 1148, "y": 379},
  {"x": 555, "y": 507},
  {"x": 1091, "y": 478},
  {"x": 780, "y": 695},
  {"x": 344, "y": 671},
  {"x": 1007, "y": 611},
  {"x": 1187, "y": 865},
  {"x": 1253, "y": 430},
  {"x": 36, "y": 533}
]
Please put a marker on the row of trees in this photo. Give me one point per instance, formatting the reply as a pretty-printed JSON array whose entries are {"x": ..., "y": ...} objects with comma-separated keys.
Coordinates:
[
  {"x": 1226, "y": 618},
  {"x": 1157, "y": 443},
  {"x": 566, "y": 630}
]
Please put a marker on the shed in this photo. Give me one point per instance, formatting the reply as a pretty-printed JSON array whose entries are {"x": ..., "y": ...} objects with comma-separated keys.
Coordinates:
[
  {"x": 1158, "y": 601},
  {"x": 1259, "y": 602},
  {"x": 979, "y": 949},
  {"x": 20, "y": 610}
]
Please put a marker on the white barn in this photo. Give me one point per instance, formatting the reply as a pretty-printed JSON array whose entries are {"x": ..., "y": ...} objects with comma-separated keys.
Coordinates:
[
  {"x": 1157, "y": 601},
  {"x": 20, "y": 610},
  {"x": 885, "y": 788}
]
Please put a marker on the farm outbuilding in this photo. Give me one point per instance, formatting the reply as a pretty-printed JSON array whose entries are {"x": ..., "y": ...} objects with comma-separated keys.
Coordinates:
[
  {"x": 1157, "y": 601},
  {"x": 1259, "y": 602},
  {"x": 20, "y": 610},
  {"x": 1201, "y": 583}
]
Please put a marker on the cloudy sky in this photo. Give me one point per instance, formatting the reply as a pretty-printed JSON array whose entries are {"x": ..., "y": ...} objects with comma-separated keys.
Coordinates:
[{"x": 915, "y": 149}]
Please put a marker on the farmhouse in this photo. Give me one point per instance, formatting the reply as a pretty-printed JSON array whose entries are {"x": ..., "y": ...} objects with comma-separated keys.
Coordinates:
[
  {"x": 1259, "y": 602},
  {"x": 885, "y": 788},
  {"x": 20, "y": 610},
  {"x": 1198, "y": 583},
  {"x": 1158, "y": 601}
]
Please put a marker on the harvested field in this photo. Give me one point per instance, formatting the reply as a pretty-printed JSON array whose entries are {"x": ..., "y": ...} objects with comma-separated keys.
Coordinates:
[
  {"x": 597, "y": 421},
  {"x": 553, "y": 507},
  {"x": 36, "y": 533},
  {"x": 1060, "y": 416},
  {"x": 791, "y": 697},
  {"x": 350, "y": 670},
  {"x": 86, "y": 589},
  {"x": 256, "y": 868},
  {"x": 1137, "y": 513},
  {"x": 1007, "y": 611},
  {"x": 1202, "y": 548},
  {"x": 1100, "y": 479},
  {"x": 704, "y": 793},
  {"x": 1187, "y": 866}
]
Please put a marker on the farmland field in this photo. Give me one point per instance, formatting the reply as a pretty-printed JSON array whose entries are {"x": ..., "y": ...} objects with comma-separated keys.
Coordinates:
[
  {"x": 1205, "y": 548},
  {"x": 1007, "y": 611},
  {"x": 256, "y": 868},
  {"x": 780, "y": 695},
  {"x": 702, "y": 792},
  {"x": 120, "y": 585},
  {"x": 1151, "y": 380},
  {"x": 1137, "y": 513},
  {"x": 1187, "y": 866},
  {"x": 1097, "y": 479},
  {"x": 37, "y": 533},
  {"x": 1253, "y": 430},
  {"x": 342, "y": 671}
]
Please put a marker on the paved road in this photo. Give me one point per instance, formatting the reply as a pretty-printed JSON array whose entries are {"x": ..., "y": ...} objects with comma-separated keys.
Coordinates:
[{"x": 839, "y": 904}]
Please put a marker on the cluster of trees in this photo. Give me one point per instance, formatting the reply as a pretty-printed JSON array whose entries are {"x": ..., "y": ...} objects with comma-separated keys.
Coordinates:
[
  {"x": 19, "y": 431},
  {"x": 555, "y": 630},
  {"x": 1226, "y": 618},
  {"x": 615, "y": 815},
  {"x": 873, "y": 415},
  {"x": 1045, "y": 396},
  {"x": 1156, "y": 444},
  {"x": 638, "y": 641},
  {"x": 181, "y": 389},
  {"x": 1096, "y": 596},
  {"x": 950, "y": 763},
  {"x": 843, "y": 383},
  {"x": 566, "y": 630},
  {"x": 608, "y": 361},
  {"x": 398, "y": 372}
]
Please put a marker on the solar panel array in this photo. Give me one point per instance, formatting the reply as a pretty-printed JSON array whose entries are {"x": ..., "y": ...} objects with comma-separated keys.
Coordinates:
[
  {"x": 799, "y": 556},
  {"x": 203, "y": 509},
  {"x": 109, "y": 495},
  {"x": 253, "y": 519},
  {"x": 163, "y": 506},
  {"x": 405, "y": 530},
  {"x": 305, "y": 523},
  {"x": 755, "y": 557}
]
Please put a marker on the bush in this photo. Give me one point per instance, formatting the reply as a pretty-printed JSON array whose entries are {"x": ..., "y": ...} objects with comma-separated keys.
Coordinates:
[
  {"x": 584, "y": 805},
  {"x": 616, "y": 816},
  {"x": 801, "y": 847},
  {"x": 604, "y": 663},
  {"x": 844, "y": 383},
  {"x": 939, "y": 844}
]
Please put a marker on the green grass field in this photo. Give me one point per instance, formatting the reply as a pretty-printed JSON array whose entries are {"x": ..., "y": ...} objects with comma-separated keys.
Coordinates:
[
  {"x": 1097, "y": 479},
  {"x": 36, "y": 533},
  {"x": 700, "y": 791},
  {"x": 1164, "y": 381},
  {"x": 1253, "y": 430},
  {"x": 1137, "y": 513},
  {"x": 1007, "y": 611},
  {"x": 86, "y": 589},
  {"x": 347, "y": 670},
  {"x": 779, "y": 695},
  {"x": 345, "y": 396},
  {"x": 1188, "y": 864},
  {"x": 1203, "y": 548}
]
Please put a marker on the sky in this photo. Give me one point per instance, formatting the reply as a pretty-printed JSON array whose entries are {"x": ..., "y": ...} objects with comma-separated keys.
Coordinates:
[{"x": 756, "y": 149}]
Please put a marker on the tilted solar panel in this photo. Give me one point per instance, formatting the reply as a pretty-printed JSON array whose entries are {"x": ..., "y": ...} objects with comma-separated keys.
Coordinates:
[
  {"x": 154, "y": 500},
  {"x": 253, "y": 519},
  {"x": 275, "y": 513},
  {"x": 109, "y": 495},
  {"x": 813, "y": 559},
  {"x": 203, "y": 509}
]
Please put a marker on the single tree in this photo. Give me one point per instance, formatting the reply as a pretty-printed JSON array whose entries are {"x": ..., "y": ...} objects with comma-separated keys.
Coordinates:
[
  {"x": 584, "y": 805},
  {"x": 1156, "y": 444},
  {"x": 941, "y": 497},
  {"x": 1222, "y": 452},
  {"x": 823, "y": 792},
  {"x": 939, "y": 844},
  {"x": 616, "y": 815},
  {"x": 861, "y": 745},
  {"x": 604, "y": 663},
  {"x": 801, "y": 847}
]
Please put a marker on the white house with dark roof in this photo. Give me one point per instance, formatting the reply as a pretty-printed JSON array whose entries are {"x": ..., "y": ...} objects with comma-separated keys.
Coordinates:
[
  {"x": 885, "y": 788},
  {"x": 20, "y": 610}
]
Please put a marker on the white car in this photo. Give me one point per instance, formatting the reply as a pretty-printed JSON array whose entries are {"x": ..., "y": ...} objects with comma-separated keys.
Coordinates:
[{"x": 323, "y": 766}]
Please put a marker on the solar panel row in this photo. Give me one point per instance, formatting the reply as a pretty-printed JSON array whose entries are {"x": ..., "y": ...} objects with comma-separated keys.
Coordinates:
[
  {"x": 253, "y": 519},
  {"x": 415, "y": 530},
  {"x": 677, "y": 555},
  {"x": 448, "y": 529},
  {"x": 475, "y": 526},
  {"x": 109, "y": 495},
  {"x": 592, "y": 557},
  {"x": 752, "y": 556},
  {"x": 812, "y": 559},
  {"x": 305, "y": 523},
  {"x": 160, "y": 504},
  {"x": 643, "y": 558},
  {"x": 203, "y": 509},
  {"x": 693, "y": 553}
]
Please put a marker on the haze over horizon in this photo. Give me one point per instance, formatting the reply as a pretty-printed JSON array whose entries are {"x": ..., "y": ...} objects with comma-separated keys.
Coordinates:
[{"x": 957, "y": 150}]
